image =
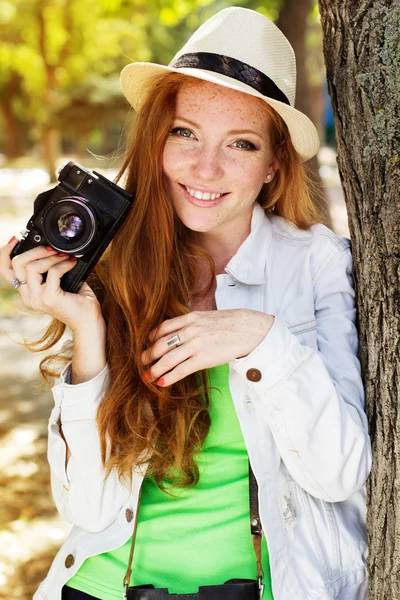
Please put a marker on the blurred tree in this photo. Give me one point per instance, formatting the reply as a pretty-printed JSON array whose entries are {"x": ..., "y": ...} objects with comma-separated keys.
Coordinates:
[
  {"x": 56, "y": 45},
  {"x": 11, "y": 89},
  {"x": 294, "y": 20},
  {"x": 362, "y": 54}
]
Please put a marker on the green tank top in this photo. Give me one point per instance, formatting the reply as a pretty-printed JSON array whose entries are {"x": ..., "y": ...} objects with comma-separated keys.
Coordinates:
[{"x": 199, "y": 536}]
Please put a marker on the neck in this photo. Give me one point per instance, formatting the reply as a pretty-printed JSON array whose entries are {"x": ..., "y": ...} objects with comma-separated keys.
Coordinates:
[{"x": 221, "y": 248}]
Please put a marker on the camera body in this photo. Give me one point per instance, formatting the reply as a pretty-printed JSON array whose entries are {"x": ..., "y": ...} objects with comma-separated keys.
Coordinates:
[{"x": 79, "y": 217}]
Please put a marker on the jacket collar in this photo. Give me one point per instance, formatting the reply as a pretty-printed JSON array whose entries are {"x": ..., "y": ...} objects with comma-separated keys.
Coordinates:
[{"x": 248, "y": 265}]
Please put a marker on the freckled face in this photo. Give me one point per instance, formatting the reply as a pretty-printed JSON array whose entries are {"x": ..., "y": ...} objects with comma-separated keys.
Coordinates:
[{"x": 216, "y": 158}]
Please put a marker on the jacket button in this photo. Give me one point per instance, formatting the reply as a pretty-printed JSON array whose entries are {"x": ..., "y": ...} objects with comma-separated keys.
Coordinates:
[
  {"x": 69, "y": 561},
  {"x": 129, "y": 515},
  {"x": 253, "y": 375}
]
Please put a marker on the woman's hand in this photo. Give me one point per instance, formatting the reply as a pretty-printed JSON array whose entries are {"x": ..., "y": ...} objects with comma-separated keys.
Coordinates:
[
  {"x": 80, "y": 311},
  {"x": 208, "y": 339}
]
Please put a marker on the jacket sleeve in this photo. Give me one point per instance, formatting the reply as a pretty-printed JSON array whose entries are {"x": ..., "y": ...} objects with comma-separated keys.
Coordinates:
[
  {"x": 313, "y": 400},
  {"x": 82, "y": 494}
]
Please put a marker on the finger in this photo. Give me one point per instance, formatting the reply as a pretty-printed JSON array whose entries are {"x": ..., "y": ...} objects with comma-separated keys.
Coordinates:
[
  {"x": 7, "y": 272},
  {"x": 180, "y": 372},
  {"x": 5, "y": 261},
  {"x": 23, "y": 269},
  {"x": 161, "y": 347},
  {"x": 22, "y": 260},
  {"x": 55, "y": 273},
  {"x": 43, "y": 265},
  {"x": 85, "y": 290},
  {"x": 31, "y": 292},
  {"x": 49, "y": 295},
  {"x": 12, "y": 243},
  {"x": 171, "y": 326},
  {"x": 168, "y": 362},
  {"x": 36, "y": 269}
]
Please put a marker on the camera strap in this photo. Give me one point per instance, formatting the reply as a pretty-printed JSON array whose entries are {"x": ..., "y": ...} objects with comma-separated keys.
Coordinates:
[{"x": 255, "y": 529}]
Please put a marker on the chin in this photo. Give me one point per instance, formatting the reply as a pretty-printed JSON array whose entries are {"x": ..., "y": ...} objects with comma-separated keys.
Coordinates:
[
  {"x": 198, "y": 223},
  {"x": 197, "y": 226}
]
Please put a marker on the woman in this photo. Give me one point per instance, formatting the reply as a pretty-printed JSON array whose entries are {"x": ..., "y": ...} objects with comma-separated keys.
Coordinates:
[{"x": 224, "y": 330}]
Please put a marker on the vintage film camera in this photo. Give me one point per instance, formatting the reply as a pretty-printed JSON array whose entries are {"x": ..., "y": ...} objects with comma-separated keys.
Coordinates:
[{"x": 79, "y": 217}]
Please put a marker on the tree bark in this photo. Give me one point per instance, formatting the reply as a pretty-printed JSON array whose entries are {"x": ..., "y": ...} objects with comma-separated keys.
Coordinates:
[
  {"x": 292, "y": 21},
  {"x": 12, "y": 130},
  {"x": 11, "y": 124},
  {"x": 51, "y": 143},
  {"x": 362, "y": 55},
  {"x": 51, "y": 150}
]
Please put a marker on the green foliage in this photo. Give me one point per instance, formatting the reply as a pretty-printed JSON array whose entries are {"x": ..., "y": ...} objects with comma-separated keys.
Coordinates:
[
  {"x": 58, "y": 57},
  {"x": 58, "y": 44}
]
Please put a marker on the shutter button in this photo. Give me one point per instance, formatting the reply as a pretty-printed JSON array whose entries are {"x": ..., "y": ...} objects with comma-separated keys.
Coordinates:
[
  {"x": 129, "y": 515},
  {"x": 69, "y": 561},
  {"x": 253, "y": 375}
]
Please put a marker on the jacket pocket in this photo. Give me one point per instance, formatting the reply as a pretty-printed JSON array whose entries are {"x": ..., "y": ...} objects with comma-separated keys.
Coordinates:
[{"x": 323, "y": 529}]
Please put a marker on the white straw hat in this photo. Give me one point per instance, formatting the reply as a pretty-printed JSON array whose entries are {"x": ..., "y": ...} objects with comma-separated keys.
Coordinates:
[{"x": 240, "y": 49}]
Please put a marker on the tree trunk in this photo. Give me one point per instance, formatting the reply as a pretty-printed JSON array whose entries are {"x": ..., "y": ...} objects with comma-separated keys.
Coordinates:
[
  {"x": 362, "y": 55},
  {"x": 51, "y": 150},
  {"x": 12, "y": 126},
  {"x": 12, "y": 130},
  {"x": 292, "y": 21}
]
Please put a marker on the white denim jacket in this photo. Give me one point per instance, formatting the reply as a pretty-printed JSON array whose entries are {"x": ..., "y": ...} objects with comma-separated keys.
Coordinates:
[{"x": 303, "y": 423}]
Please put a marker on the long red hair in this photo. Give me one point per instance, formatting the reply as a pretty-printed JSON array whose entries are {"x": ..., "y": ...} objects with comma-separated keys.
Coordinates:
[{"x": 149, "y": 274}]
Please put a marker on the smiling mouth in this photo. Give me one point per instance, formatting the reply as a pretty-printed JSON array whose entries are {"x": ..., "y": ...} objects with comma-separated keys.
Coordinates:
[{"x": 203, "y": 195}]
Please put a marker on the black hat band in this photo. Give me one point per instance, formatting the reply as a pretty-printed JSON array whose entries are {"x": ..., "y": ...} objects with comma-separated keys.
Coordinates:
[{"x": 231, "y": 67}]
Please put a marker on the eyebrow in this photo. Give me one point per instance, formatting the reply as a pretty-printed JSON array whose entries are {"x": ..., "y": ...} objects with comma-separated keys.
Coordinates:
[{"x": 231, "y": 132}]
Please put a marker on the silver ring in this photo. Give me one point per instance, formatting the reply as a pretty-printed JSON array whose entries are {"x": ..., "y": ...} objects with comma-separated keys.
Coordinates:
[
  {"x": 174, "y": 341},
  {"x": 15, "y": 283}
]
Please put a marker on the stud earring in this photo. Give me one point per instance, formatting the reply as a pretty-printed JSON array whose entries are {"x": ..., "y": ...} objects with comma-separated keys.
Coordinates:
[{"x": 269, "y": 177}]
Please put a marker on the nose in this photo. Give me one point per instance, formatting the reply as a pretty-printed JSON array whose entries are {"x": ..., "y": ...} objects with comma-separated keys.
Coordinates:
[{"x": 207, "y": 165}]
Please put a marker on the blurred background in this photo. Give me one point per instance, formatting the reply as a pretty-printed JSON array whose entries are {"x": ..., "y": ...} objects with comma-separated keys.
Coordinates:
[{"x": 60, "y": 100}]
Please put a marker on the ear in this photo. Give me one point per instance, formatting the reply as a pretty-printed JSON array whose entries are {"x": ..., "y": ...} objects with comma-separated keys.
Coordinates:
[{"x": 272, "y": 168}]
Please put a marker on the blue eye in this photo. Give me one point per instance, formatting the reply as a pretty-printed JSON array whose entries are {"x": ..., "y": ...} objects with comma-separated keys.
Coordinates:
[
  {"x": 182, "y": 132},
  {"x": 244, "y": 145}
]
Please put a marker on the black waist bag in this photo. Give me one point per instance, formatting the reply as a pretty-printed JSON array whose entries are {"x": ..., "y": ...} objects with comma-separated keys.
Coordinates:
[{"x": 234, "y": 589}]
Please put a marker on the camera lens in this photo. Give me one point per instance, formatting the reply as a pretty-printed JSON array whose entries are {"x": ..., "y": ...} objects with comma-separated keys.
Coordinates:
[{"x": 70, "y": 225}]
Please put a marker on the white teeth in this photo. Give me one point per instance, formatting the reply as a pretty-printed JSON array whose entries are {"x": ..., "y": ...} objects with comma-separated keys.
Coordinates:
[{"x": 202, "y": 195}]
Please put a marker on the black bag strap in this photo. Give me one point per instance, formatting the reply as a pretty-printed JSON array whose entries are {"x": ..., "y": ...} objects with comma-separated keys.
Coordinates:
[
  {"x": 255, "y": 528},
  {"x": 128, "y": 573},
  {"x": 255, "y": 525}
]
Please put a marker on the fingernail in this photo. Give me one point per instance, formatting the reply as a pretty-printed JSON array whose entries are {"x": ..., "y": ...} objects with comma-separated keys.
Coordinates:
[
  {"x": 48, "y": 248},
  {"x": 61, "y": 254},
  {"x": 72, "y": 258},
  {"x": 160, "y": 382},
  {"x": 12, "y": 239},
  {"x": 147, "y": 376}
]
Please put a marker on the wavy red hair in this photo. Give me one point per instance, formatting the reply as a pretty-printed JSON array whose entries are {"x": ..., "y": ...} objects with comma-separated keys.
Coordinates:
[{"x": 149, "y": 274}]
